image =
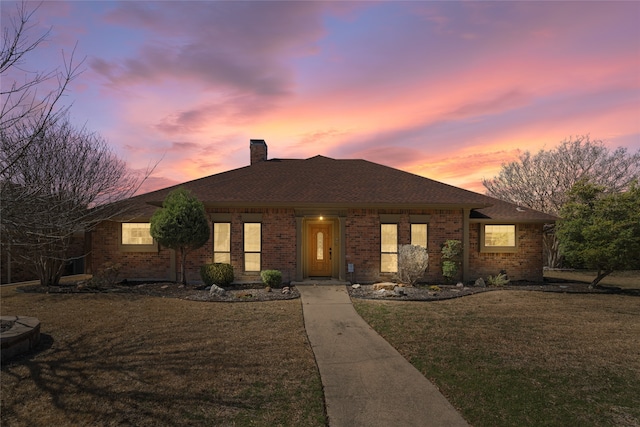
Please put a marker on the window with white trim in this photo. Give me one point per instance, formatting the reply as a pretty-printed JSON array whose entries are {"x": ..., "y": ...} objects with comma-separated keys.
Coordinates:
[
  {"x": 389, "y": 248},
  {"x": 252, "y": 245},
  {"x": 222, "y": 242}
]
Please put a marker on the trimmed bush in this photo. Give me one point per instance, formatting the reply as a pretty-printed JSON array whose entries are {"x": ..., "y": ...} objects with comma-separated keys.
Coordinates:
[
  {"x": 271, "y": 278},
  {"x": 217, "y": 274}
]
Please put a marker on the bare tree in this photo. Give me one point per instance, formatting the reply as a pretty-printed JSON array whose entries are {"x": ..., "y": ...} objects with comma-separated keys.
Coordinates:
[
  {"x": 63, "y": 183},
  {"x": 542, "y": 181},
  {"x": 20, "y": 100}
]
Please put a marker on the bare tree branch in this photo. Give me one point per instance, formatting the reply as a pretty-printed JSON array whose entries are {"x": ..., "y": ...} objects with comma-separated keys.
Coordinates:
[
  {"x": 20, "y": 100},
  {"x": 542, "y": 181}
]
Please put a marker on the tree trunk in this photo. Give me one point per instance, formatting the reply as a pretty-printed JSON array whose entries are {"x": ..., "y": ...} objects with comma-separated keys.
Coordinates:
[
  {"x": 183, "y": 261},
  {"x": 551, "y": 250},
  {"x": 601, "y": 275}
]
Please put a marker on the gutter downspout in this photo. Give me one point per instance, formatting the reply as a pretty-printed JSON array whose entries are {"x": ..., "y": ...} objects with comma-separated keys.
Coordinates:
[{"x": 466, "y": 247}]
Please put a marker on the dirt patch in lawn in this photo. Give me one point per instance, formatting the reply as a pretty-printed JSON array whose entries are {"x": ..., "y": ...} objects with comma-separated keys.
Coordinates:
[{"x": 116, "y": 358}]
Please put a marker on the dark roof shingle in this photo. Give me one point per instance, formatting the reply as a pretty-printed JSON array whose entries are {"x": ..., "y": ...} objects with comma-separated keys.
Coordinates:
[{"x": 323, "y": 181}]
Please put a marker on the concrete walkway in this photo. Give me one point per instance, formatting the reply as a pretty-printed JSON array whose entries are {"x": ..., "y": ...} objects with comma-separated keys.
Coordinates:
[{"x": 366, "y": 381}]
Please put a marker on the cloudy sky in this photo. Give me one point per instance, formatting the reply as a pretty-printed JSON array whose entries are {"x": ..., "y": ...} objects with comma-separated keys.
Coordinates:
[{"x": 447, "y": 90}]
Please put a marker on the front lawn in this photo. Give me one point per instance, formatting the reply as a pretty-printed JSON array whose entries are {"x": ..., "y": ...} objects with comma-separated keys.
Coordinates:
[
  {"x": 522, "y": 358},
  {"x": 114, "y": 359}
]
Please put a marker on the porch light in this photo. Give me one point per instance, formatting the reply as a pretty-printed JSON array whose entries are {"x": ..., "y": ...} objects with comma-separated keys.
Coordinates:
[{"x": 321, "y": 217}]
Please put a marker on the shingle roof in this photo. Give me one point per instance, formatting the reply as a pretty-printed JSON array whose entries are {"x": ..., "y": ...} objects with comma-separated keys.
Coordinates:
[{"x": 323, "y": 181}]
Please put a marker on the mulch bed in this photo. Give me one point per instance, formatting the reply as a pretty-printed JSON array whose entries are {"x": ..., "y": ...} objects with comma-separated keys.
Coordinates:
[
  {"x": 257, "y": 292},
  {"x": 235, "y": 293},
  {"x": 426, "y": 293}
]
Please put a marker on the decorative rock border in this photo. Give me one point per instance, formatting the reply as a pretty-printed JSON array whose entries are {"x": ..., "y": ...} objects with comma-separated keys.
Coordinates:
[{"x": 23, "y": 336}]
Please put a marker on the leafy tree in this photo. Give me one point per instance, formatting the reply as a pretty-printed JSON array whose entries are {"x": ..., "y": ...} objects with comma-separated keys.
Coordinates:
[
  {"x": 61, "y": 184},
  {"x": 600, "y": 229},
  {"x": 542, "y": 181},
  {"x": 181, "y": 224}
]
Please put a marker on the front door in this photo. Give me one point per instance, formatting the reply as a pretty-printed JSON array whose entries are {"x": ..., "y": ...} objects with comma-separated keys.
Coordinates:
[{"x": 320, "y": 249}]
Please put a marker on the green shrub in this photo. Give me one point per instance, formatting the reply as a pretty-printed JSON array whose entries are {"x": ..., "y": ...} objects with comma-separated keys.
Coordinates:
[
  {"x": 451, "y": 252},
  {"x": 499, "y": 280},
  {"x": 449, "y": 269},
  {"x": 452, "y": 249},
  {"x": 271, "y": 278},
  {"x": 218, "y": 273}
]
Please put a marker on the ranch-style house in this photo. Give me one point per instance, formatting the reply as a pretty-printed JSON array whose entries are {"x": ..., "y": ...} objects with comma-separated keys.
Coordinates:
[{"x": 322, "y": 218}]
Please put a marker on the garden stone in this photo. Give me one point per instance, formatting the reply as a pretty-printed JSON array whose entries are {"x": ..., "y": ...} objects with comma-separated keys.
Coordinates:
[
  {"x": 384, "y": 286},
  {"x": 399, "y": 291},
  {"x": 355, "y": 286},
  {"x": 216, "y": 290},
  {"x": 286, "y": 290}
]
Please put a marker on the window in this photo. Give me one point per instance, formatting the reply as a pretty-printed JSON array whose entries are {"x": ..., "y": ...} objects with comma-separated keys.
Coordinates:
[
  {"x": 137, "y": 233},
  {"x": 222, "y": 242},
  {"x": 419, "y": 235},
  {"x": 136, "y": 237},
  {"x": 498, "y": 238},
  {"x": 389, "y": 248},
  {"x": 252, "y": 245}
]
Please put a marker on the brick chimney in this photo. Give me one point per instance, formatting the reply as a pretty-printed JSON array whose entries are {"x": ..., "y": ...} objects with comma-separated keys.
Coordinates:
[{"x": 258, "y": 150}]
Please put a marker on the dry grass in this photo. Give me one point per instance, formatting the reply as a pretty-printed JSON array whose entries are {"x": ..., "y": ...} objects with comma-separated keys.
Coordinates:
[
  {"x": 522, "y": 358},
  {"x": 110, "y": 359},
  {"x": 629, "y": 279}
]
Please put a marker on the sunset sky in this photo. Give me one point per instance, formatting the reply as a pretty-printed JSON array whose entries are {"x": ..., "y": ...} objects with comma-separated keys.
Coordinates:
[{"x": 446, "y": 90}]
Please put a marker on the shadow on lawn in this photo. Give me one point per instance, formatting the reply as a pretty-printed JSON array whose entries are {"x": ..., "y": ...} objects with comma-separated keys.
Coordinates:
[{"x": 127, "y": 381}]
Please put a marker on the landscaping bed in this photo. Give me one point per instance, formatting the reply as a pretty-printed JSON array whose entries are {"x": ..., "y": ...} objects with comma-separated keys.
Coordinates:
[
  {"x": 234, "y": 293},
  {"x": 444, "y": 292}
]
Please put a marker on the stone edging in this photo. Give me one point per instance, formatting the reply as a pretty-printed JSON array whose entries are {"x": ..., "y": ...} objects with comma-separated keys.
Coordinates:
[{"x": 23, "y": 336}]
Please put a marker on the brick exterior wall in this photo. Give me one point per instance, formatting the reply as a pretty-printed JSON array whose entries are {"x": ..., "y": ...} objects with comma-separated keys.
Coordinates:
[
  {"x": 526, "y": 264},
  {"x": 362, "y": 227},
  {"x": 362, "y": 247},
  {"x": 105, "y": 242}
]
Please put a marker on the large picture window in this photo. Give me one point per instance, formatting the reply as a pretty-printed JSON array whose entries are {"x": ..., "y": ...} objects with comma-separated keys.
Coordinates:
[
  {"x": 222, "y": 242},
  {"x": 252, "y": 245},
  {"x": 498, "y": 238},
  {"x": 389, "y": 248}
]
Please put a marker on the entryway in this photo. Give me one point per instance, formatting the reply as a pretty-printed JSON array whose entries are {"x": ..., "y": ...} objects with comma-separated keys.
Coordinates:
[
  {"x": 320, "y": 249},
  {"x": 320, "y": 245}
]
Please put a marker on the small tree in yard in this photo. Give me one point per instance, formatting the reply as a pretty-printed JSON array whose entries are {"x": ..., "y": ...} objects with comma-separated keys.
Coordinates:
[
  {"x": 181, "y": 224},
  {"x": 413, "y": 261},
  {"x": 601, "y": 230}
]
